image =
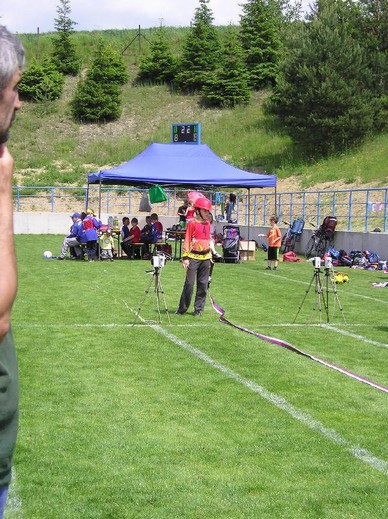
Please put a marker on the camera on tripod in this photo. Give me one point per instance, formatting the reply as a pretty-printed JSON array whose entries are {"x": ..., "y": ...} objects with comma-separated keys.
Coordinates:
[
  {"x": 317, "y": 262},
  {"x": 158, "y": 260},
  {"x": 328, "y": 262}
]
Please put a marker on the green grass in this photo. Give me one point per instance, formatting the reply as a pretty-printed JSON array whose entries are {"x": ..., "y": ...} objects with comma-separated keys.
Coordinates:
[{"x": 195, "y": 419}]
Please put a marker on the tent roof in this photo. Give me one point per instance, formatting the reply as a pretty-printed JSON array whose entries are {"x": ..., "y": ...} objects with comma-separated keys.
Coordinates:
[{"x": 183, "y": 165}]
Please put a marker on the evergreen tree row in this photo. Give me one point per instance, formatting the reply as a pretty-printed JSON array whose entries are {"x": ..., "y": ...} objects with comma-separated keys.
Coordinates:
[{"x": 327, "y": 74}]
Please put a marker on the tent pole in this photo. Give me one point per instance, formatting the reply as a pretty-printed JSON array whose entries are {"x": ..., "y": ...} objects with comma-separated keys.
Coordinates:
[
  {"x": 99, "y": 199},
  {"x": 276, "y": 200},
  {"x": 87, "y": 197},
  {"x": 249, "y": 212}
]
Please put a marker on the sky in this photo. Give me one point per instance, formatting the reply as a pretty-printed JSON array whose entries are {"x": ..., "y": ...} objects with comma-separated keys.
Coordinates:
[{"x": 21, "y": 16}]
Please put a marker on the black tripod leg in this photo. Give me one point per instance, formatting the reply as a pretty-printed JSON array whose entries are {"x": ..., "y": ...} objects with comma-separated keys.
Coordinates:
[
  {"x": 330, "y": 276},
  {"x": 161, "y": 291},
  {"x": 321, "y": 299},
  {"x": 146, "y": 292},
  {"x": 304, "y": 298},
  {"x": 156, "y": 290}
]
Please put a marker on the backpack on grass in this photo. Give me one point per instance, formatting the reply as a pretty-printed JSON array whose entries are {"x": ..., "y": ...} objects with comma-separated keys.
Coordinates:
[{"x": 291, "y": 257}]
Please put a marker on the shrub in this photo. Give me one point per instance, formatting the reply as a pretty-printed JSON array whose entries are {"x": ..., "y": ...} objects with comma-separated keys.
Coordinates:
[
  {"x": 160, "y": 66},
  {"x": 41, "y": 82},
  {"x": 108, "y": 66},
  {"x": 96, "y": 102}
]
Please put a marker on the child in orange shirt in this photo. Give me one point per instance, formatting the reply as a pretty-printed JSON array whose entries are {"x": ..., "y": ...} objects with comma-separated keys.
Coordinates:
[{"x": 274, "y": 241}]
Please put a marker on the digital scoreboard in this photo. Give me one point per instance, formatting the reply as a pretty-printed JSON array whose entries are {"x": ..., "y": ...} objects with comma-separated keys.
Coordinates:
[{"x": 186, "y": 133}]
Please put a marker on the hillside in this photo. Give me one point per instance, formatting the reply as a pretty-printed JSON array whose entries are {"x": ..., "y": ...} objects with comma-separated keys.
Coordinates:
[{"x": 51, "y": 149}]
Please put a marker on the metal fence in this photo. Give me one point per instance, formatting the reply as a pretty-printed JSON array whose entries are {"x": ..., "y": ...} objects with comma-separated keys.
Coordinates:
[{"x": 355, "y": 209}]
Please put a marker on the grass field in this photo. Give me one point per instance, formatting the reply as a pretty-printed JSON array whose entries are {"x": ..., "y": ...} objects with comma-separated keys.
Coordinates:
[{"x": 196, "y": 419}]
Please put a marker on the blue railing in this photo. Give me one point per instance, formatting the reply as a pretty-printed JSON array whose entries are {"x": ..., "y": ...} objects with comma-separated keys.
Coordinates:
[{"x": 356, "y": 209}]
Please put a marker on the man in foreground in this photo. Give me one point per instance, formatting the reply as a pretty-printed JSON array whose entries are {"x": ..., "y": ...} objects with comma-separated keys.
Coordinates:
[{"x": 11, "y": 62}]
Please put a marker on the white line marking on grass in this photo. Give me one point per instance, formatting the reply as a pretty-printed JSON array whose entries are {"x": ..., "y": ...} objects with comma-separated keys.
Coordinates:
[
  {"x": 316, "y": 325},
  {"x": 104, "y": 325},
  {"x": 192, "y": 325},
  {"x": 286, "y": 278},
  {"x": 353, "y": 294},
  {"x": 355, "y": 336},
  {"x": 360, "y": 453},
  {"x": 14, "y": 507}
]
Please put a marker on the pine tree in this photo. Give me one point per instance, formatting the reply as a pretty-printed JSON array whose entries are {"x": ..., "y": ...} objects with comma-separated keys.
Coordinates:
[
  {"x": 41, "y": 82},
  {"x": 322, "y": 97},
  {"x": 260, "y": 39},
  {"x": 64, "y": 56},
  {"x": 200, "y": 52},
  {"x": 107, "y": 66},
  {"x": 369, "y": 19},
  {"x": 228, "y": 86},
  {"x": 97, "y": 98},
  {"x": 94, "y": 102},
  {"x": 160, "y": 66}
]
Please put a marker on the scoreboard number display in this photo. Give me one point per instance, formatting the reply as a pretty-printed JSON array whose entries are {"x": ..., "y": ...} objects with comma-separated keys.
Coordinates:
[{"x": 187, "y": 133}]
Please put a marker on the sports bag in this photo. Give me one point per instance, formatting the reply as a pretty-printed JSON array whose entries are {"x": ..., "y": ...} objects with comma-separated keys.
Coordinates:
[
  {"x": 291, "y": 257},
  {"x": 145, "y": 206},
  {"x": 157, "y": 194}
]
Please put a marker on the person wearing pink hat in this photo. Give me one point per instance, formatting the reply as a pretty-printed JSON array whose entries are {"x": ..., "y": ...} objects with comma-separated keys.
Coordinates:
[{"x": 196, "y": 259}]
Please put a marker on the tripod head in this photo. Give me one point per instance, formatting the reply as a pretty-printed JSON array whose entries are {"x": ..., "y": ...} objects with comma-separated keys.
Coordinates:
[{"x": 155, "y": 271}]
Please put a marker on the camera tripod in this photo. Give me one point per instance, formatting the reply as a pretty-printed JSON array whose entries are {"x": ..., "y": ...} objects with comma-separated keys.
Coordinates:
[
  {"x": 159, "y": 294},
  {"x": 322, "y": 291}
]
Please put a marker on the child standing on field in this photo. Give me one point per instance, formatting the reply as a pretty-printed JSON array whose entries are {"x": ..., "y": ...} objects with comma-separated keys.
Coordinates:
[
  {"x": 274, "y": 241},
  {"x": 106, "y": 246}
]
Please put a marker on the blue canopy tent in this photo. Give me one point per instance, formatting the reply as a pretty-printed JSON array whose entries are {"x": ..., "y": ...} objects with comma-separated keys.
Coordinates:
[
  {"x": 180, "y": 165},
  {"x": 190, "y": 166}
]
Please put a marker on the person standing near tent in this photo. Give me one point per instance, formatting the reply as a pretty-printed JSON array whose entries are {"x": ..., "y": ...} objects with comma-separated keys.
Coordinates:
[
  {"x": 182, "y": 213},
  {"x": 274, "y": 241},
  {"x": 196, "y": 258},
  {"x": 12, "y": 57}
]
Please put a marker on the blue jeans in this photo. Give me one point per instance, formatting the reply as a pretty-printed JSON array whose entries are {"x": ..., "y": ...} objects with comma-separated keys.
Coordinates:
[{"x": 3, "y": 499}]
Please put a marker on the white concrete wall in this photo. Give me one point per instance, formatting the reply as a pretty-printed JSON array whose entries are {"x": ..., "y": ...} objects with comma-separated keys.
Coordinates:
[
  {"x": 59, "y": 223},
  {"x": 373, "y": 241}
]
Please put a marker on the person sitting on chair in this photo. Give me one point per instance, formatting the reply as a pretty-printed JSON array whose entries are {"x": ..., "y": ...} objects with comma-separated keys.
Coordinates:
[
  {"x": 90, "y": 225},
  {"x": 125, "y": 229},
  {"x": 146, "y": 229},
  {"x": 133, "y": 237},
  {"x": 154, "y": 236},
  {"x": 73, "y": 239}
]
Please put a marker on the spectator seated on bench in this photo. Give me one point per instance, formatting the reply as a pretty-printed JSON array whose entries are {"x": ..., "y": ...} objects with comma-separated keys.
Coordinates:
[
  {"x": 155, "y": 235},
  {"x": 128, "y": 245}
]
